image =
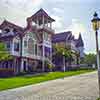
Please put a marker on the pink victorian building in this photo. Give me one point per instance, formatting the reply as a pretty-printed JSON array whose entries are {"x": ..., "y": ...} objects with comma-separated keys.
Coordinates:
[
  {"x": 32, "y": 46},
  {"x": 29, "y": 46}
]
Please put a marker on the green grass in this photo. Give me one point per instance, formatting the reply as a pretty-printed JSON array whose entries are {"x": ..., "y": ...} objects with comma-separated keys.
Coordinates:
[
  {"x": 98, "y": 99},
  {"x": 18, "y": 81}
]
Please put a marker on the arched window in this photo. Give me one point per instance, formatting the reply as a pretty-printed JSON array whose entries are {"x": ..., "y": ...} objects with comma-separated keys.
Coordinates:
[
  {"x": 17, "y": 44},
  {"x": 31, "y": 46},
  {"x": 25, "y": 43}
]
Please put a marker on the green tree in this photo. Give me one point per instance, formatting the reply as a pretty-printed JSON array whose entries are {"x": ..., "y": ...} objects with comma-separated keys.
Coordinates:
[
  {"x": 4, "y": 55},
  {"x": 89, "y": 59},
  {"x": 63, "y": 51}
]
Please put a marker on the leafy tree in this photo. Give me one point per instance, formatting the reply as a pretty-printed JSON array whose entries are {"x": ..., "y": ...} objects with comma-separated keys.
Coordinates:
[
  {"x": 60, "y": 51},
  {"x": 89, "y": 59},
  {"x": 63, "y": 51},
  {"x": 4, "y": 55}
]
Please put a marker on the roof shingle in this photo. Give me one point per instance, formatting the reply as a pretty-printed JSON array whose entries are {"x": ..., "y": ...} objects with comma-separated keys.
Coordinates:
[{"x": 61, "y": 36}]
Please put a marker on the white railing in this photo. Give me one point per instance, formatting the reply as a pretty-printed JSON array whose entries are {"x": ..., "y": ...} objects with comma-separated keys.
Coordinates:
[
  {"x": 33, "y": 56},
  {"x": 45, "y": 27}
]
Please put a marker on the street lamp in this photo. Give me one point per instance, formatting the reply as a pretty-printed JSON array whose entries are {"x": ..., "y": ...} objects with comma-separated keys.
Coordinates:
[
  {"x": 96, "y": 25},
  {"x": 64, "y": 62}
]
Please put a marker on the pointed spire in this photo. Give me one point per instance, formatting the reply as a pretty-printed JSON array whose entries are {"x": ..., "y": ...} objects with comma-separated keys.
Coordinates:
[
  {"x": 80, "y": 41},
  {"x": 80, "y": 37}
]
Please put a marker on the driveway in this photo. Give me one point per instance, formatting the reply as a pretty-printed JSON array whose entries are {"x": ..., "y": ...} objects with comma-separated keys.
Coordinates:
[{"x": 81, "y": 87}]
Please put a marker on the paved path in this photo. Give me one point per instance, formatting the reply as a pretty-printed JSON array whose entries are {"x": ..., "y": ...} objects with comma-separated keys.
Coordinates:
[{"x": 81, "y": 87}]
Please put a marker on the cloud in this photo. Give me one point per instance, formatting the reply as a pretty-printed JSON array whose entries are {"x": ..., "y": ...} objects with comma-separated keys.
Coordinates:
[
  {"x": 21, "y": 3},
  {"x": 59, "y": 1},
  {"x": 17, "y": 11},
  {"x": 58, "y": 24},
  {"x": 76, "y": 27},
  {"x": 58, "y": 10}
]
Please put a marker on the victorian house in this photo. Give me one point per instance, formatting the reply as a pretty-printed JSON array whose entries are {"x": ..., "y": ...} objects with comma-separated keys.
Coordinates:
[
  {"x": 68, "y": 41},
  {"x": 29, "y": 46},
  {"x": 32, "y": 46}
]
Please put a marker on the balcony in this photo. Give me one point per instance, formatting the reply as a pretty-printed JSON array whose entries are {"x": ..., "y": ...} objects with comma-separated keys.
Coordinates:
[{"x": 45, "y": 27}]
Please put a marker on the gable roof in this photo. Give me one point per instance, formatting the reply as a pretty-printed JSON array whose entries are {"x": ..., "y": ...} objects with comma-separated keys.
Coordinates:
[
  {"x": 79, "y": 41},
  {"x": 61, "y": 36},
  {"x": 6, "y": 23},
  {"x": 42, "y": 12}
]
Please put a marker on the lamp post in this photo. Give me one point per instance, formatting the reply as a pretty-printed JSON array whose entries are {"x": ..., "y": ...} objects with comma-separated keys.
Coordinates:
[
  {"x": 64, "y": 68},
  {"x": 96, "y": 24}
]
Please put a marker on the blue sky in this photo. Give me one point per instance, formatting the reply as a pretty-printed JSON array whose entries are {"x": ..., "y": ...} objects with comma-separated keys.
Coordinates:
[{"x": 74, "y": 15}]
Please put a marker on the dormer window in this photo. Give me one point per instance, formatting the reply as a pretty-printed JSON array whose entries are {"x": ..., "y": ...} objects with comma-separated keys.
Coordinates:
[
  {"x": 14, "y": 30},
  {"x": 6, "y": 30}
]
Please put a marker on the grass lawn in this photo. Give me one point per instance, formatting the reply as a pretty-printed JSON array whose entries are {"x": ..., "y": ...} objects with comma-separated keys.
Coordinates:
[{"x": 18, "y": 81}]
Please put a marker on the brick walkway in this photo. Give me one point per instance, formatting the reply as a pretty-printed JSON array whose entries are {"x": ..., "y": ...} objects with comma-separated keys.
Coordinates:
[{"x": 81, "y": 87}]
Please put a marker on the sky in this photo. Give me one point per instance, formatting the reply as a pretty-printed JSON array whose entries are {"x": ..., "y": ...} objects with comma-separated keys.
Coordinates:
[{"x": 70, "y": 15}]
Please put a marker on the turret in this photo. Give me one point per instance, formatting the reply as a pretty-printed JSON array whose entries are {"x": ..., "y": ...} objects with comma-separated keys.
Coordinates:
[{"x": 41, "y": 19}]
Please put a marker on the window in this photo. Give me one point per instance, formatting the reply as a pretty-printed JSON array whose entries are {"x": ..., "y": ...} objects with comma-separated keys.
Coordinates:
[
  {"x": 36, "y": 49},
  {"x": 16, "y": 46},
  {"x": 25, "y": 43},
  {"x": 31, "y": 46},
  {"x": 47, "y": 36},
  {"x": 8, "y": 45},
  {"x": 14, "y": 30},
  {"x": 6, "y": 30}
]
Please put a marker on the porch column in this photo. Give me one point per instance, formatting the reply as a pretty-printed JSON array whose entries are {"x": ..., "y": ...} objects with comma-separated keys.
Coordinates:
[
  {"x": 51, "y": 57},
  {"x": 14, "y": 66},
  {"x": 43, "y": 54},
  {"x": 22, "y": 67},
  {"x": 43, "y": 63}
]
